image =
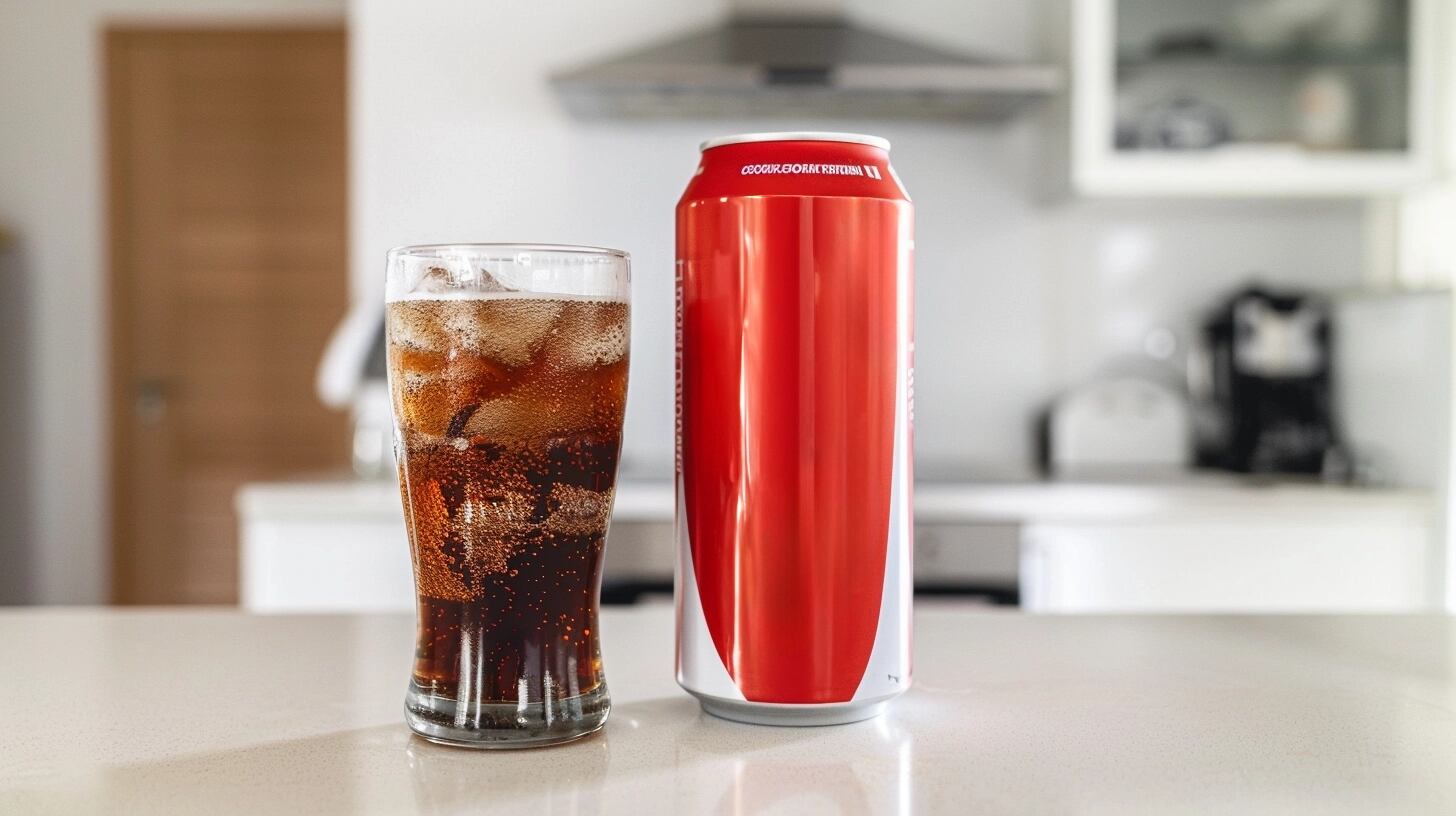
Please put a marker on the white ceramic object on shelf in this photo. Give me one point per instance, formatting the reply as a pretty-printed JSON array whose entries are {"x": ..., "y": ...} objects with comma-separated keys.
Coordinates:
[{"x": 1325, "y": 111}]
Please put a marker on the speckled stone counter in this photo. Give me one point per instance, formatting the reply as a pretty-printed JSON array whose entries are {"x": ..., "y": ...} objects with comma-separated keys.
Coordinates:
[{"x": 216, "y": 712}]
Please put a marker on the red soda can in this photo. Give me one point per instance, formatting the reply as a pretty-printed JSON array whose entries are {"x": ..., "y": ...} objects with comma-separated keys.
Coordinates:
[{"x": 794, "y": 361}]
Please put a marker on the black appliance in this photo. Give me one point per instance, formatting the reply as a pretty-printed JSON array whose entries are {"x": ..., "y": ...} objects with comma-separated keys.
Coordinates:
[{"x": 1269, "y": 386}]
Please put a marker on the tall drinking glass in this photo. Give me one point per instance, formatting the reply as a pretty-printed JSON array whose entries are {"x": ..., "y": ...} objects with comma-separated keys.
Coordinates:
[{"x": 508, "y": 374}]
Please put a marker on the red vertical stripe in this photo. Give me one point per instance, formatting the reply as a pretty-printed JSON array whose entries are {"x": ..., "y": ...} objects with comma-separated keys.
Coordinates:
[{"x": 790, "y": 361}]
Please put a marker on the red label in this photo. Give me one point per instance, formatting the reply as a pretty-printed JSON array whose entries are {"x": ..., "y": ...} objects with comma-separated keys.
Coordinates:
[{"x": 790, "y": 346}]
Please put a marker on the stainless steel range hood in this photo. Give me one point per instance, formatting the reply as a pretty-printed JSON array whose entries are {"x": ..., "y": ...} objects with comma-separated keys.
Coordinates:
[{"x": 818, "y": 66}]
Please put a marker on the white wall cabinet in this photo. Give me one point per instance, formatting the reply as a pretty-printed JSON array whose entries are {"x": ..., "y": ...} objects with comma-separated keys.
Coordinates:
[
  {"x": 1199, "y": 98},
  {"x": 1310, "y": 566},
  {"x": 1214, "y": 545}
]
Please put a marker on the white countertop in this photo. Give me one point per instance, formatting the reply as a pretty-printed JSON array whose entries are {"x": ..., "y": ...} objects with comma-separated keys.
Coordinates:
[
  {"x": 1008, "y": 502},
  {"x": 218, "y": 712}
]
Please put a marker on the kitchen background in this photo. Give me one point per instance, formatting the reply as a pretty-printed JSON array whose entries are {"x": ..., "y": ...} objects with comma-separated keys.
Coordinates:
[{"x": 1054, "y": 251}]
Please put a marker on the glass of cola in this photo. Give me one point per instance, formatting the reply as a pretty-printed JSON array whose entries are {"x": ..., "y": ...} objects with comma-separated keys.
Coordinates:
[{"x": 508, "y": 376}]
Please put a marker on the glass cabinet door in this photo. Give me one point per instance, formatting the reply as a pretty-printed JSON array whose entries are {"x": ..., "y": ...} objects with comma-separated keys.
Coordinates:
[{"x": 1297, "y": 96}]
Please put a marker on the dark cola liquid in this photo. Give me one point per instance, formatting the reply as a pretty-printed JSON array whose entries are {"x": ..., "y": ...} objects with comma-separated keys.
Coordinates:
[{"x": 510, "y": 418}]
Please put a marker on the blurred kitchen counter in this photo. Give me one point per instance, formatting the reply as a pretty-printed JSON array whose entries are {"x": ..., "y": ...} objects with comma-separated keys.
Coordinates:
[
  {"x": 1192, "y": 544},
  {"x": 212, "y": 711},
  {"x": 1008, "y": 501}
]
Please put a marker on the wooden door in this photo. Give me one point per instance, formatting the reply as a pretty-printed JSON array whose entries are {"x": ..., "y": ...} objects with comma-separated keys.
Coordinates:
[{"x": 227, "y": 152}]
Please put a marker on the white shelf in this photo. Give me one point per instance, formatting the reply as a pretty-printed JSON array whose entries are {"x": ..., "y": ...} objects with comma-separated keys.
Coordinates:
[{"x": 1249, "y": 172}]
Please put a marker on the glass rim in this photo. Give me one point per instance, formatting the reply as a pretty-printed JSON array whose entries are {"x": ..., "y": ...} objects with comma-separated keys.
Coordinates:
[{"x": 424, "y": 250}]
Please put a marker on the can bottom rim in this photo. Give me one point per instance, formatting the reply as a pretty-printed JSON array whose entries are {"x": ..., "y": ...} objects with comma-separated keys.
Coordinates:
[{"x": 788, "y": 714}]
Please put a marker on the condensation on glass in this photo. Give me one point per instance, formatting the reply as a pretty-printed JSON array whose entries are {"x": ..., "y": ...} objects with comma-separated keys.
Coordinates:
[{"x": 508, "y": 375}]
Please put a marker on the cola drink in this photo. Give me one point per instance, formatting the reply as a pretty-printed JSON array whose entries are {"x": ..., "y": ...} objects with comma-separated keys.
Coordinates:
[{"x": 509, "y": 412}]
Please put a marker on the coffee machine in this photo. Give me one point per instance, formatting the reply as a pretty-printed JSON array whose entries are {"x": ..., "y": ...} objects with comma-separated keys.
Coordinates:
[{"x": 1267, "y": 391}]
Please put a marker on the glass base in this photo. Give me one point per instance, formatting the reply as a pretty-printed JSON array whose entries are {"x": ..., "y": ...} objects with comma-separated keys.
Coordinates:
[{"x": 505, "y": 725}]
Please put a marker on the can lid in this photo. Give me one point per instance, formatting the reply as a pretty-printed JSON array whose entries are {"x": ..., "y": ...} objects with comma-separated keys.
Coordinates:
[{"x": 798, "y": 136}]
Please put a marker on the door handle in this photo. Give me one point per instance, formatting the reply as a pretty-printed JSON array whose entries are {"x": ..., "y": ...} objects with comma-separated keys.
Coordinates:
[{"x": 151, "y": 401}]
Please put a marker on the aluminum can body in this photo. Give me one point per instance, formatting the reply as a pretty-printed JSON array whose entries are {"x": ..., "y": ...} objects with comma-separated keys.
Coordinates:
[{"x": 794, "y": 411}]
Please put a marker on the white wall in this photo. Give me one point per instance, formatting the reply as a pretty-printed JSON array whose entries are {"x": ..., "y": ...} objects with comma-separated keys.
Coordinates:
[
  {"x": 52, "y": 196},
  {"x": 458, "y": 137}
]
